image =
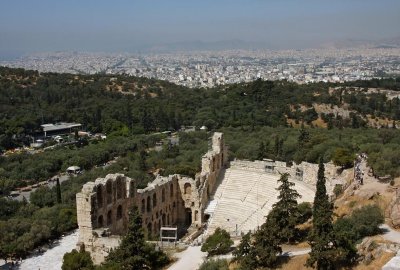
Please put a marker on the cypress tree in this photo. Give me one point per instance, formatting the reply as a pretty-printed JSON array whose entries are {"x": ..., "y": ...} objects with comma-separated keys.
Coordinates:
[
  {"x": 321, "y": 238},
  {"x": 58, "y": 190}
]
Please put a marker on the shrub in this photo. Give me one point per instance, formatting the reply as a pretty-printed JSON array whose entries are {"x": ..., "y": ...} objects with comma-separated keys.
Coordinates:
[
  {"x": 362, "y": 222},
  {"x": 337, "y": 190},
  {"x": 218, "y": 264},
  {"x": 77, "y": 260},
  {"x": 218, "y": 243}
]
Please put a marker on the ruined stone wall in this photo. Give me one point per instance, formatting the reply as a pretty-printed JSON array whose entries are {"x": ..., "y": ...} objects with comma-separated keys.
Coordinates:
[
  {"x": 213, "y": 162},
  {"x": 102, "y": 206},
  {"x": 160, "y": 203}
]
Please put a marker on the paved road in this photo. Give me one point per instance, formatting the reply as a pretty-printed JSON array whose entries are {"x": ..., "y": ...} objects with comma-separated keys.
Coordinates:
[
  {"x": 190, "y": 259},
  {"x": 27, "y": 194}
]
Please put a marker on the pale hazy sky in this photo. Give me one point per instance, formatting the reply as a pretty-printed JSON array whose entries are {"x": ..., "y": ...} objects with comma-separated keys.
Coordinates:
[{"x": 128, "y": 25}]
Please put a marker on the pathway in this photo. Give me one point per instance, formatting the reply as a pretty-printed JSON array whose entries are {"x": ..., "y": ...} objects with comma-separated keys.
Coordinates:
[
  {"x": 390, "y": 234},
  {"x": 190, "y": 259},
  {"x": 50, "y": 259}
]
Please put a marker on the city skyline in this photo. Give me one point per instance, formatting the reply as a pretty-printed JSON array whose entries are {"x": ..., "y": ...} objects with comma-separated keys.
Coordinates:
[{"x": 132, "y": 26}]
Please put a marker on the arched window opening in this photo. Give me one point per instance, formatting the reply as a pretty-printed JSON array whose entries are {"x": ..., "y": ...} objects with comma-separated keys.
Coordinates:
[
  {"x": 187, "y": 188},
  {"x": 132, "y": 189},
  {"x": 143, "y": 205},
  {"x": 99, "y": 194},
  {"x": 149, "y": 229},
  {"x": 148, "y": 204},
  {"x": 163, "y": 195},
  {"x": 171, "y": 190},
  {"x": 109, "y": 218},
  {"x": 109, "y": 192},
  {"x": 119, "y": 212},
  {"x": 154, "y": 200},
  {"x": 120, "y": 188},
  {"x": 100, "y": 222}
]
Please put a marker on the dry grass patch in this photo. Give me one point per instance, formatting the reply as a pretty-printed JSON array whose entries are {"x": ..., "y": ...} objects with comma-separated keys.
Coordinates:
[
  {"x": 376, "y": 263},
  {"x": 350, "y": 204},
  {"x": 296, "y": 263},
  {"x": 297, "y": 246},
  {"x": 320, "y": 123}
]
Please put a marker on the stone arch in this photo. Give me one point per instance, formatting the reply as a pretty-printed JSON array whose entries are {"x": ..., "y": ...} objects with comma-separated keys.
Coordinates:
[
  {"x": 171, "y": 190},
  {"x": 109, "y": 218},
  {"x": 148, "y": 204},
  {"x": 154, "y": 199},
  {"x": 163, "y": 195},
  {"x": 119, "y": 212},
  {"x": 100, "y": 221},
  {"x": 99, "y": 195},
  {"x": 187, "y": 188},
  {"x": 109, "y": 192},
  {"x": 143, "y": 205}
]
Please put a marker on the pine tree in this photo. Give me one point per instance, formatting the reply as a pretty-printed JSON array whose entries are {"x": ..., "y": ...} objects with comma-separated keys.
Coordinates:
[
  {"x": 266, "y": 247},
  {"x": 321, "y": 238},
  {"x": 285, "y": 212},
  {"x": 58, "y": 190},
  {"x": 130, "y": 254}
]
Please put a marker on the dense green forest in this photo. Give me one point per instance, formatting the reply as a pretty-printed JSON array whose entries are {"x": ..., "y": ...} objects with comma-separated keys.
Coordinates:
[
  {"x": 139, "y": 105},
  {"x": 131, "y": 111}
]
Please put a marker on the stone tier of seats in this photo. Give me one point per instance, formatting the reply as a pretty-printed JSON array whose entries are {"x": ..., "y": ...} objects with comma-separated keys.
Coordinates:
[{"x": 245, "y": 197}]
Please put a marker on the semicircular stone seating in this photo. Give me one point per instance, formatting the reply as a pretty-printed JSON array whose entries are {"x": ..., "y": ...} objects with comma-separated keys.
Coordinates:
[{"x": 244, "y": 197}]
